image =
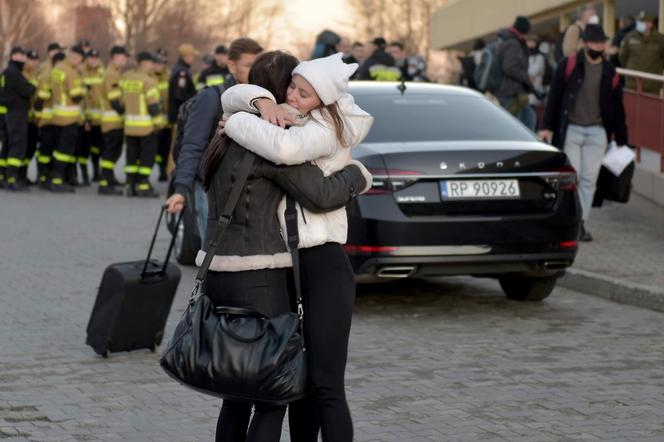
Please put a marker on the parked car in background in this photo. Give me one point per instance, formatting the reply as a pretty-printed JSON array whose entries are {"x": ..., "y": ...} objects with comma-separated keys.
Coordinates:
[{"x": 460, "y": 188}]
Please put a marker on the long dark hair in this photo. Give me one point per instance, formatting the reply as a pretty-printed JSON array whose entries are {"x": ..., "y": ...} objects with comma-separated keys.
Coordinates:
[{"x": 272, "y": 71}]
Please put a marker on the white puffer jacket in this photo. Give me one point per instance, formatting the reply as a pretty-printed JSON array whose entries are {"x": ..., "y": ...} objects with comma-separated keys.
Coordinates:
[{"x": 314, "y": 141}]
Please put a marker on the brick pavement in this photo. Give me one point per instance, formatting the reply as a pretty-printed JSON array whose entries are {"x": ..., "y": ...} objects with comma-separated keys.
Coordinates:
[
  {"x": 628, "y": 242},
  {"x": 448, "y": 360}
]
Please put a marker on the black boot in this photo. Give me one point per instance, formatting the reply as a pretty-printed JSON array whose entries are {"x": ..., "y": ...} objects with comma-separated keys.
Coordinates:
[
  {"x": 14, "y": 182},
  {"x": 130, "y": 184},
  {"x": 145, "y": 190},
  {"x": 71, "y": 175},
  {"x": 58, "y": 182}
]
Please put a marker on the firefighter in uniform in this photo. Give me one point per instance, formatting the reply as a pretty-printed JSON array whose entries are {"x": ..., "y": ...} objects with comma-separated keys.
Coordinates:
[
  {"x": 141, "y": 99},
  {"x": 68, "y": 92},
  {"x": 16, "y": 95},
  {"x": 216, "y": 73},
  {"x": 112, "y": 121},
  {"x": 181, "y": 86},
  {"x": 48, "y": 133},
  {"x": 166, "y": 132},
  {"x": 92, "y": 142},
  {"x": 30, "y": 72}
]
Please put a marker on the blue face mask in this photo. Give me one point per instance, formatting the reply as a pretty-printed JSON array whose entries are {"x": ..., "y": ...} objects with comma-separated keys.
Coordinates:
[{"x": 641, "y": 27}]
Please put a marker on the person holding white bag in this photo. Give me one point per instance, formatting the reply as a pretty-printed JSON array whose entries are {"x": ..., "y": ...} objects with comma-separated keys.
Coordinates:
[{"x": 584, "y": 111}]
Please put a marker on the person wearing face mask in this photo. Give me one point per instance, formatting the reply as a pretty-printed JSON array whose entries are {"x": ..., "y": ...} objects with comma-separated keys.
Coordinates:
[
  {"x": 572, "y": 41},
  {"x": 643, "y": 50},
  {"x": 584, "y": 111}
]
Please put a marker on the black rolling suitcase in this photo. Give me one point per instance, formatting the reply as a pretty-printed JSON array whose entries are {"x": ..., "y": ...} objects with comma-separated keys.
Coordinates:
[{"x": 133, "y": 303}]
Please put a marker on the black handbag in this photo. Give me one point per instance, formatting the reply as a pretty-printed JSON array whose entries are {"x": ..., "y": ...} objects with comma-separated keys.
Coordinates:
[{"x": 235, "y": 353}]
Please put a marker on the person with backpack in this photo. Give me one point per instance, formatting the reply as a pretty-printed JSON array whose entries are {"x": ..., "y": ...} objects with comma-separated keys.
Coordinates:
[
  {"x": 196, "y": 125},
  {"x": 585, "y": 110},
  {"x": 514, "y": 85}
]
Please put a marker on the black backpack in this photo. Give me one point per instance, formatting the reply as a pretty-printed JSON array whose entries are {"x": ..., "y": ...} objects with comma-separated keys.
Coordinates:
[
  {"x": 488, "y": 75},
  {"x": 183, "y": 114}
]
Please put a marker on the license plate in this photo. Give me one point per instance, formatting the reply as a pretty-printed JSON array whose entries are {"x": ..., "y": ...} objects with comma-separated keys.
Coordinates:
[{"x": 480, "y": 189}]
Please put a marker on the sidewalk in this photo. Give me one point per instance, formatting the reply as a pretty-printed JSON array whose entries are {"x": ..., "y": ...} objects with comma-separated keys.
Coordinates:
[{"x": 625, "y": 262}]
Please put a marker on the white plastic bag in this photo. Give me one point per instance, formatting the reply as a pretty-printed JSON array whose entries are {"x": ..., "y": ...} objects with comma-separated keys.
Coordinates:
[{"x": 617, "y": 158}]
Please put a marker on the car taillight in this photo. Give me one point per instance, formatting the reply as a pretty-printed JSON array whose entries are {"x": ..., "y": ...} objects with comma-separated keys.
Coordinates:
[
  {"x": 565, "y": 179},
  {"x": 569, "y": 244},
  {"x": 357, "y": 249},
  {"x": 391, "y": 180}
]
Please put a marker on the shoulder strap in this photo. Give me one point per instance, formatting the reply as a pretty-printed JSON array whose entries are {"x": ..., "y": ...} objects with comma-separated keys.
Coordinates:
[
  {"x": 570, "y": 65},
  {"x": 292, "y": 234},
  {"x": 226, "y": 215}
]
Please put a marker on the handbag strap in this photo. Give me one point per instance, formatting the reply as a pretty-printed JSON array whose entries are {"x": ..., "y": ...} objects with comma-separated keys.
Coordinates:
[
  {"x": 224, "y": 219},
  {"x": 293, "y": 240}
]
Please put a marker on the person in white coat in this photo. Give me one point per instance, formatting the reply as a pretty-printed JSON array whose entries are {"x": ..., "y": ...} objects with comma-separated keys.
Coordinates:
[{"x": 325, "y": 125}]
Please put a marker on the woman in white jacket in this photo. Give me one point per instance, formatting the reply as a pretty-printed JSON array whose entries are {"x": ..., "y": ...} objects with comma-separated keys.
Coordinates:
[{"x": 326, "y": 124}]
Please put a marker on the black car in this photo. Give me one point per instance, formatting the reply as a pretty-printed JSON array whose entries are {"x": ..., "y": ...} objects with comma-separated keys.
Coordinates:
[{"x": 460, "y": 188}]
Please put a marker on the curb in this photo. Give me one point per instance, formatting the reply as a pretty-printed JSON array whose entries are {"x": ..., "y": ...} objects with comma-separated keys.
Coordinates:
[{"x": 614, "y": 289}]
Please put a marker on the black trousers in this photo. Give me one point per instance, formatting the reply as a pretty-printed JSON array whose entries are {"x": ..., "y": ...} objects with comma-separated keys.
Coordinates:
[
  {"x": 265, "y": 291},
  {"x": 90, "y": 145},
  {"x": 48, "y": 140},
  {"x": 110, "y": 154},
  {"x": 3, "y": 147},
  {"x": 328, "y": 292},
  {"x": 33, "y": 139},
  {"x": 164, "y": 148},
  {"x": 141, "y": 153},
  {"x": 65, "y": 150},
  {"x": 16, "y": 124}
]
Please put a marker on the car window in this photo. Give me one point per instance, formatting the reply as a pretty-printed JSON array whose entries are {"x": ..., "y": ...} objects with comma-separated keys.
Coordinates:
[{"x": 421, "y": 117}]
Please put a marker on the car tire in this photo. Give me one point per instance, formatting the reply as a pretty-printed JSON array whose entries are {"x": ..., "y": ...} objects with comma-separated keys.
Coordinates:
[{"x": 527, "y": 288}]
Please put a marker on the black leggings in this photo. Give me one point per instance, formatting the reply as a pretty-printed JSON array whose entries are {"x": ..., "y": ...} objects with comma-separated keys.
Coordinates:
[
  {"x": 265, "y": 291},
  {"x": 328, "y": 291}
]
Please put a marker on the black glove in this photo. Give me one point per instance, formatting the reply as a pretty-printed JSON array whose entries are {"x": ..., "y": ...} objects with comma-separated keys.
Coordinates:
[
  {"x": 118, "y": 106},
  {"x": 39, "y": 104}
]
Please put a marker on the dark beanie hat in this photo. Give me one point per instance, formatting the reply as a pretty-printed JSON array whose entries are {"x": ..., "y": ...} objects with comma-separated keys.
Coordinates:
[{"x": 522, "y": 24}]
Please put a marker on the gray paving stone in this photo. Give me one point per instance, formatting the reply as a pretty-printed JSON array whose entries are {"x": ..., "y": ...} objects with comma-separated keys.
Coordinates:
[{"x": 444, "y": 360}]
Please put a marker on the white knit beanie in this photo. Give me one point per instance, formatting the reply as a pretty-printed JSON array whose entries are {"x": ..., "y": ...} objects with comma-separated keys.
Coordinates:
[{"x": 328, "y": 76}]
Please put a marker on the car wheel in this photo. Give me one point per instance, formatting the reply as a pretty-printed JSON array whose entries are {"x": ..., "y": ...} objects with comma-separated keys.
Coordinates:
[
  {"x": 527, "y": 288},
  {"x": 187, "y": 242}
]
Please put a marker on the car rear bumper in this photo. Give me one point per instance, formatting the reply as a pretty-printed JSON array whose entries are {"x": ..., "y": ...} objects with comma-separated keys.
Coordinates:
[{"x": 372, "y": 268}]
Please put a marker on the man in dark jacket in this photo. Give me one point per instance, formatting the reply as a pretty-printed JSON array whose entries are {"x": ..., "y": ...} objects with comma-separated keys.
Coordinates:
[
  {"x": 199, "y": 129},
  {"x": 181, "y": 86},
  {"x": 584, "y": 110},
  {"x": 17, "y": 91},
  {"x": 217, "y": 72},
  {"x": 380, "y": 65},
  {"x": 515, "y": 87},
  {"x": 627, "y": 25}
]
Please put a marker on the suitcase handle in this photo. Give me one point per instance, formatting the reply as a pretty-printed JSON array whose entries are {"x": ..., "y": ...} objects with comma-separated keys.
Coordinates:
[{"x": 145, "y": 272}]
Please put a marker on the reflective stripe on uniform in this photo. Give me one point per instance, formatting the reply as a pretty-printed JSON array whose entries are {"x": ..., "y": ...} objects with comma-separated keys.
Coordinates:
[
  {"x": 131, "y": 169},
  {"x": 66, "y": 111},
  {"x": 138, "y": 120},
  {"x": 3, "y": 110},
  {"x": 95, "y": 150},
  {"x": 111, "y": 117},
  {"x": 163, "y": 86},
  {"x": 114, "y": 94},
  {"x": 44, "y": 94},
  {"x": 159, "y": 158},
  {"x": 145, "y": 171},
  {"x": 93, "y": 113},
  {"x": 144, "y": 186},
  {"x": 106, "y": 164},
  {"x": 153, "y": 93},
  {"x": 43, "y": 159},
  {"x": 82, "y": 160},
  {"x": 3, "y": 162},
  {"x": 57, "y": 181},
  {"x": 63, "y": 157},
  {"x": 14, "y": 162},
  {"x": 214, "y": 80},
  {"x": 76, "y": 91},
  {"x": 26, "y": 162},
  {"x": 103, "y": 183},
  {"x": 92, "y": 80}
]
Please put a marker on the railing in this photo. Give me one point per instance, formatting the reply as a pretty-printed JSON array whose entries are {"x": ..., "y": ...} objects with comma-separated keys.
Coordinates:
[{"x": 645, "y": 115}]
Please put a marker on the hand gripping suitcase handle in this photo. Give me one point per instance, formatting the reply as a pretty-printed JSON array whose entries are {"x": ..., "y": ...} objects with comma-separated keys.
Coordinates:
[{"x": 145, "y": 272}]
